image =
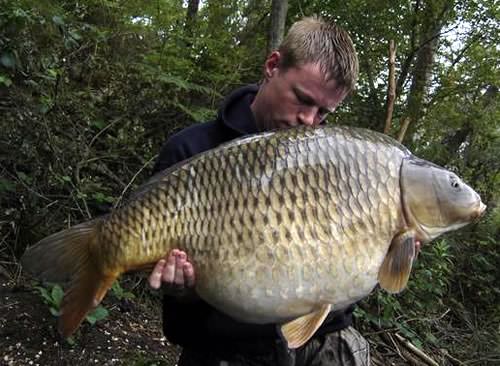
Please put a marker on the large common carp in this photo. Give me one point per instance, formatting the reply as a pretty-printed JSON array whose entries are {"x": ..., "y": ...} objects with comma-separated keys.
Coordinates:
[{"x": 281, "y": 226}]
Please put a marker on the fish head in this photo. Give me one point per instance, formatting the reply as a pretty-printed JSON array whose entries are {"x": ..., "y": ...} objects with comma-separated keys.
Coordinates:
[{"x": 436, "y": 200}]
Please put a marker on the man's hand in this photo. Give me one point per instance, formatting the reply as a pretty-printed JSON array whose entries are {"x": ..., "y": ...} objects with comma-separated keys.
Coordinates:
[{"x": 175, "y": 272}]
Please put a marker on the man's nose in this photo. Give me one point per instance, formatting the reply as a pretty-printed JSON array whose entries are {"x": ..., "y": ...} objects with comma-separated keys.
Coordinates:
[{"x": 308, "y": 116}]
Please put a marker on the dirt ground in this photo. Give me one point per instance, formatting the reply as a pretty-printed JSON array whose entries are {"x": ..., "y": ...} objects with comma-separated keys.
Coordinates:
[{"x": 130, "y": 335}]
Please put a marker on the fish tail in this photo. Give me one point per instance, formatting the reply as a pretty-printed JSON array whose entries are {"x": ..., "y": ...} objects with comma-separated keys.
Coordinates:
[
  {"x": 85, "y": 293},
  {"x": 58, "y": 257},
  {"x": 72, "y": 255}
]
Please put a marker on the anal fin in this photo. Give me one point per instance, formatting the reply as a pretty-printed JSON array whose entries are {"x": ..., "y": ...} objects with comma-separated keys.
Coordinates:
[
  {"x": 300, "y": 330},
  {"x": 395, "y": 270}
]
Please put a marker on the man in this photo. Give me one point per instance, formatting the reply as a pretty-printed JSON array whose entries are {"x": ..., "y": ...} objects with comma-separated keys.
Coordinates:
[{"x": 311, "y": 73}]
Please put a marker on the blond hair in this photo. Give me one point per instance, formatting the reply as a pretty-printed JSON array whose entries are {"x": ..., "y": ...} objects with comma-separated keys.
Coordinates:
[{"x": 313, "y": 40}]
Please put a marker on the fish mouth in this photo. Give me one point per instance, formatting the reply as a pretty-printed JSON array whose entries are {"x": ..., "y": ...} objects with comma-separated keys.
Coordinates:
[{"x": 479, "y": 211}]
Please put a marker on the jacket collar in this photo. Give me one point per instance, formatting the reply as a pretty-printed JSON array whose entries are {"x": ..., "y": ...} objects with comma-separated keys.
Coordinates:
[{"x": 235, "y": 112}]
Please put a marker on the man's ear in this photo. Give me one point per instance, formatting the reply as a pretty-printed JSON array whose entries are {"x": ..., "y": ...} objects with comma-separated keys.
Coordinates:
[{"x": 271, "y": 65}]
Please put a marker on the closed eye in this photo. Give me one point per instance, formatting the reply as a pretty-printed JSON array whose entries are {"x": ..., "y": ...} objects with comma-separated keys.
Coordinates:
[
  {"x": 303, "y": 99},
  {"x": 308, "y": 101}
]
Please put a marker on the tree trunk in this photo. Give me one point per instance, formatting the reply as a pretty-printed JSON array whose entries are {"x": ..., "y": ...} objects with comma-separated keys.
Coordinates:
[
  {"x": 255, "y": 20},
  {"x": 433, "y": 20},
  {"x": 192, "y": 12},
  {"x": 278, "y": 16},
  {"x": 420, "y": 83}
]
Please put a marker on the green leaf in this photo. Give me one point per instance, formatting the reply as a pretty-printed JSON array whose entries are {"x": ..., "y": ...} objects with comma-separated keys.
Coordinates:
[
  {"x": 98, "y": 123},
  {"x": 58, "y": 20},
  {"x": 5, "y": 80},
  {"x": 129, "y": 295},
  {"x": 45, "y": 294},
  {"x": 101, "y": 197},
  {"x": 417, "y": 343},
  {"x": 52, "y": 73},
  {"x": 81, "y": 195},
  {"x": 91, "y": 319},
  {"x": 57, "y": 294},
  {"x": 6, "y": 186},
  {"x": 54, "y": 311},
  {"x": 117, "y": 290},
  {"x": 21, "y": 13},
  {"x": 76, "y": 36},
  {"x": 24, "y": 177},
  {"x": 8, "y": 60},
  {"x": 99, "y": 313},
  {"x": 70, "y": 43},
  {"x": 431, "y": 338}
]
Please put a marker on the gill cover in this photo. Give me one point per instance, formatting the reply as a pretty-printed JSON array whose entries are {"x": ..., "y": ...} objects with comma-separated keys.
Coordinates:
[{"x": 436, "y": 200}]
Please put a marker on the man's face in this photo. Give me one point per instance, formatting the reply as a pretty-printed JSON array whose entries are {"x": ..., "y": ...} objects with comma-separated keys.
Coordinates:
[{"x": 293, "y": 97}]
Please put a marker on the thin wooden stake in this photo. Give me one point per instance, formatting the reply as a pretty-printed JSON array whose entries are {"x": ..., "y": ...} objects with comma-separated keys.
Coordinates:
[
  {"x": 404, "y": 127},
  {"x": 391, "y": 88}
]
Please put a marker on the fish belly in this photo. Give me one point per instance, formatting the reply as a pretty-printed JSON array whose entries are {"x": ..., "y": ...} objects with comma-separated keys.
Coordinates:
[{"x": 275, "y": 290}]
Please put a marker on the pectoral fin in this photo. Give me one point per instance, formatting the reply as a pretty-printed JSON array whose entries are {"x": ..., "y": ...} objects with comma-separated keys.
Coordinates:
[
  {"x": 395, "y": 270},
  {"x": 299, "y": 331}
]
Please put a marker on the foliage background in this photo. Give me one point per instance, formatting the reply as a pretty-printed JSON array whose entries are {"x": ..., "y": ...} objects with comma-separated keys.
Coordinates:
[{"x": 89, "y": 90}]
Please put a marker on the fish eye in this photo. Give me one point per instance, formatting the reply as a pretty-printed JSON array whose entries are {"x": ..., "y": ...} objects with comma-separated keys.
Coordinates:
[{"x": 455, "y": 184}]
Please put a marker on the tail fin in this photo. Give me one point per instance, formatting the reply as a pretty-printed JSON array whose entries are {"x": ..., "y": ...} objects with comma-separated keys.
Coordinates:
[
  {"x": 58, "y": 257},
  {"x": 70, "y": 255},
  {"x": 86, "y": 291}
]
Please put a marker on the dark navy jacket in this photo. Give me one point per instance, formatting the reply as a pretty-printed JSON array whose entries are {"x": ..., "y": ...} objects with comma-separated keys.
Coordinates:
[{"x": 199, "y": 325}]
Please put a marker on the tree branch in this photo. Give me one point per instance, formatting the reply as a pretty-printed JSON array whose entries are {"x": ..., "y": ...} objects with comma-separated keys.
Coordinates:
[{"x": 415, "y": 350}]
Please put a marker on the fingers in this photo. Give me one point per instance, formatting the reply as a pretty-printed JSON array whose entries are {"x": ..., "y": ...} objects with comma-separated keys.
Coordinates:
[
  {"x": 156, "y": 275},
  {"x": 180, "y": 260},
  {"x": 175, "y": 272},
  {"x": 189, "y": 274},
  {"x": 168, "y": 273}
]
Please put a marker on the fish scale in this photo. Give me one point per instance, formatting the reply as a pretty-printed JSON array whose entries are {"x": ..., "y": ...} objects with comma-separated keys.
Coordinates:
[
  {"x": 280, "y": 227},
  {"x": 268, "y": 189}
]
